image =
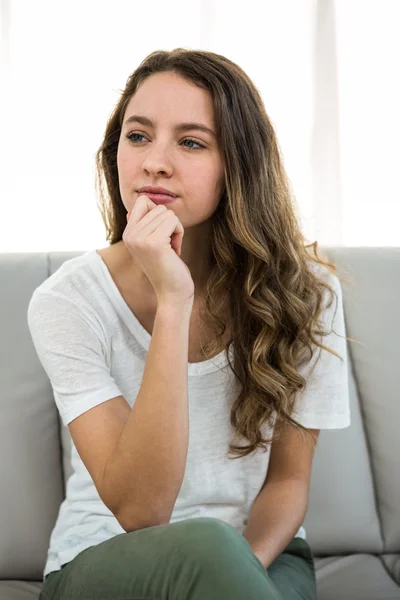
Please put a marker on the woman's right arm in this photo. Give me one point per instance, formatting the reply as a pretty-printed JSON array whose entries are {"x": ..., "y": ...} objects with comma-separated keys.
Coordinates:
[
  {"x": 145, "y": 472},
  {"x": 137, "y": 456}
]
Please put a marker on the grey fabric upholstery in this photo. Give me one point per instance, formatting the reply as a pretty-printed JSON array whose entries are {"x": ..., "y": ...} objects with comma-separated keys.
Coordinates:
[{"x": 353, "y": 517}]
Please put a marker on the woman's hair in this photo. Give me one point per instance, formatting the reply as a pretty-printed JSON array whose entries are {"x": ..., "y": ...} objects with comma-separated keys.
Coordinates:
[{"x": 262, "y": 272}]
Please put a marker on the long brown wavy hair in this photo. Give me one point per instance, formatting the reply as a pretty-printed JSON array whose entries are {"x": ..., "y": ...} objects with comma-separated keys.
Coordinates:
[{"x": 262, "y": 269}]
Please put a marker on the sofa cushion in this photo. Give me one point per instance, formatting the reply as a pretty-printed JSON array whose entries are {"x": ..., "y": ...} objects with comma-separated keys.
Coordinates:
[{"x": 355, "y": 577}]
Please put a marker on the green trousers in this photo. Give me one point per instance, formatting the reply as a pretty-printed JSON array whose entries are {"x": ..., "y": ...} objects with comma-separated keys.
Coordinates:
[{"x": 194, "y": 559}]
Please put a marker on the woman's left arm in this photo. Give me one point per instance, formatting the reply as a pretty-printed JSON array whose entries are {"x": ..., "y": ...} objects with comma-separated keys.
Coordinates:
[
  {"x": 275, "y": 517},
  {"x": 280, "y": 507}
]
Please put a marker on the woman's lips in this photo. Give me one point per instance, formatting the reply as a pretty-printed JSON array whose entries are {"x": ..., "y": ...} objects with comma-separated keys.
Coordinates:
[{"x": 159, "y": 198}]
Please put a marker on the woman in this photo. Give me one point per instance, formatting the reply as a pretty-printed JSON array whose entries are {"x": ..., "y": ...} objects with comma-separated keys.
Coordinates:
[{"x": 197, "y": 323}]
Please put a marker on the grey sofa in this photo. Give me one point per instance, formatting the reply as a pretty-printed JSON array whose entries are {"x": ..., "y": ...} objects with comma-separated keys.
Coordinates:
[{"x": 353, "y": 518}]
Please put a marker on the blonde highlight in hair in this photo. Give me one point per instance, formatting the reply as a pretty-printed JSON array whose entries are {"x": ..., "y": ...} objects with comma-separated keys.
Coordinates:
[{"x": 271, "y": 295}]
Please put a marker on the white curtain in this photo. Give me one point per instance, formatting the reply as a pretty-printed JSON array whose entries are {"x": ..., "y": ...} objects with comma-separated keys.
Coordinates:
[{"x": 328, "y": 72}]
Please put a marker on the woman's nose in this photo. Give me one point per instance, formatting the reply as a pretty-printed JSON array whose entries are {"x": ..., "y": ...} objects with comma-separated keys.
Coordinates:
[{"x": 157, "y": 160}]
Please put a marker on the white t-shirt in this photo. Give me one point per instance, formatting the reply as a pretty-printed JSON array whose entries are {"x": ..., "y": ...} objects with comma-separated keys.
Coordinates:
[{"x": 93, "y": 348}]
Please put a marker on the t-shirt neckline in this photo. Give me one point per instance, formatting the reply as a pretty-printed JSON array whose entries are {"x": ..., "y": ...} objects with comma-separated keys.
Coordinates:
[{"x": 201, "y": 368}]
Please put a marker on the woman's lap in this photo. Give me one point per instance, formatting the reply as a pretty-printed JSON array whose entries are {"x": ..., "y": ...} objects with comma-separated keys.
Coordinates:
[
  {"x": 293, "y": 572},
  {"x": 186, "y": 560}
]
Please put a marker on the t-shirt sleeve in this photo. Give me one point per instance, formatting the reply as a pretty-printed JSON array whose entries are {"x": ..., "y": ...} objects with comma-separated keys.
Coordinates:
[
  {"x": 70, "y": 345},
  {"x": 325, "y": 402}
]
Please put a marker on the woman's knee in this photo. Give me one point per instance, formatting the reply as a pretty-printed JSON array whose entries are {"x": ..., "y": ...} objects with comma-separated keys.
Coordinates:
[{"x": 208, "y": 539}]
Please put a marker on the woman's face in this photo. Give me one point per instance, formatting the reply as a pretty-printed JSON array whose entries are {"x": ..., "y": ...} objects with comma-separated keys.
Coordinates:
[{"x": 187, "y": 161}]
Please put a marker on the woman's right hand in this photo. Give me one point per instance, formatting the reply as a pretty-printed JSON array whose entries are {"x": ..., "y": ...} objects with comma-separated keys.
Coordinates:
[{"x": 153, "y": 236}]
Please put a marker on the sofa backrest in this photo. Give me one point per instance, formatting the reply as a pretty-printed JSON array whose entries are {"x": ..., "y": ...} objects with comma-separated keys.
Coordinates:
[{"x": 355, "y": 488}]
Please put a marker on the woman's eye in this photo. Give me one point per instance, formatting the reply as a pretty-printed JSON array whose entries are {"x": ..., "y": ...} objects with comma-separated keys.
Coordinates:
[
  {"x": 130, "y": 136},
  {"x": 194, "y": 142}
]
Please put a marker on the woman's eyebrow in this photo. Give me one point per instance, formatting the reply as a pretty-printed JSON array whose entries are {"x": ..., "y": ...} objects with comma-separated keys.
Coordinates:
[{"x": 179, "y": 127}]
